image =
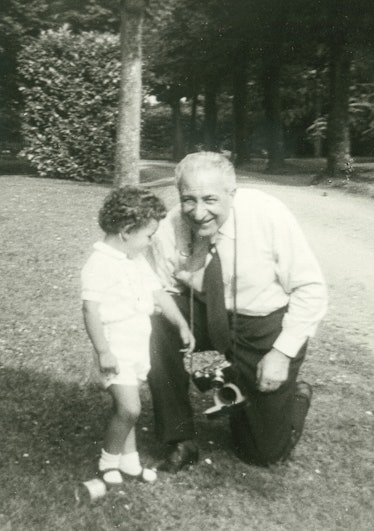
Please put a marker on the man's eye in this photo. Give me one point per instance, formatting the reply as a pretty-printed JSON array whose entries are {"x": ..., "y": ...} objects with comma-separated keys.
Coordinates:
[{"x": 211, "y": 201}]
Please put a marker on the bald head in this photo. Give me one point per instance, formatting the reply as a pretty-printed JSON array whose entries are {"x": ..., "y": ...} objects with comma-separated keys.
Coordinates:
[{"x": 206, "y": 163}]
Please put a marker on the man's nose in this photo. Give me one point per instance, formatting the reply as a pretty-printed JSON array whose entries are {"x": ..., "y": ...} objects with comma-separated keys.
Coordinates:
[{"x": 199, "y": 212}]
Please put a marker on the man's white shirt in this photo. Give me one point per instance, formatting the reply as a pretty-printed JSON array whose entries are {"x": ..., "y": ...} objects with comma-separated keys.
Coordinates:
[{"x": 274, "y": 263}]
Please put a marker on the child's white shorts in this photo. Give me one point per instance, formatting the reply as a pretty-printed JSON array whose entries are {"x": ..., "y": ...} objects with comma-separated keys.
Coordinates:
[{"x": 129, "y": 343}]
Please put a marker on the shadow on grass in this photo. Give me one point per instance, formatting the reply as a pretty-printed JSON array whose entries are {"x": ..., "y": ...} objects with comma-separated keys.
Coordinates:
[
  {"x": 54, "y": 430},
  {"x": 59, "y": 424},
  {"x": 51, "y": 439}
]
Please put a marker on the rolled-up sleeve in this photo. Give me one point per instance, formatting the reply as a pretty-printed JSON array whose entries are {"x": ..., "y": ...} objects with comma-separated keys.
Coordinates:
[{"x": 299, "y": 274}]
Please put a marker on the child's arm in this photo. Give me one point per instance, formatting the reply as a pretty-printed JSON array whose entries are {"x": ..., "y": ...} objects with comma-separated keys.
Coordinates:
[
  {"x": 173, "y": 314},
  {"x": 108, "y": 362}
]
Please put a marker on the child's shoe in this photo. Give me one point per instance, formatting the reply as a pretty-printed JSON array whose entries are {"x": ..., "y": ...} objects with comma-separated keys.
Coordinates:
[
  {"x": 112, "y": 477},
  {"x": 130, "y": 468},
  {"x": 146, "y": 475}
]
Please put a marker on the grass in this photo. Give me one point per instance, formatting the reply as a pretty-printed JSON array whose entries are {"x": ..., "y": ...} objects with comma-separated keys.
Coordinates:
[{"x": 52, "y": 419}]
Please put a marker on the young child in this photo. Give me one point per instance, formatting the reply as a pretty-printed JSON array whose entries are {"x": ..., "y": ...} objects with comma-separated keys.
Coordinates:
[{"x": 119, "y": 290}]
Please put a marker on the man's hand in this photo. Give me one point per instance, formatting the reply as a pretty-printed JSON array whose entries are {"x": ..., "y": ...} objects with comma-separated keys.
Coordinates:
[
  {"x": 108, "y": 363},
  {"x": 272, "y": 371},
  {"x": 187, "y": 338}
]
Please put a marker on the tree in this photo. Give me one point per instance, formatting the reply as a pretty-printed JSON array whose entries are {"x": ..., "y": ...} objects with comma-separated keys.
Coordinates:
[
  {"x": 22, "y": 19},
  {"x": 340, "y": 77},
  {"x": 171, "y": 66},
  {"x": 347, "y": 26},
  {"x": 90, "y": 15},
  {"x": 19, "y": 19},
  {"x": 128, "y": 129}
]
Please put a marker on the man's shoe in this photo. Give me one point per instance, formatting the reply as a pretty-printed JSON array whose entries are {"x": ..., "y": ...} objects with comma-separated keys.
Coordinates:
[
  {"x": 184, "y": 453},
  {"x": 301, "y": 405}
]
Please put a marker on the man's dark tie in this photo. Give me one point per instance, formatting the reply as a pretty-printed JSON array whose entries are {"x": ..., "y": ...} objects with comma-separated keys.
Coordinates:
[{"x": 218, "y": 324}]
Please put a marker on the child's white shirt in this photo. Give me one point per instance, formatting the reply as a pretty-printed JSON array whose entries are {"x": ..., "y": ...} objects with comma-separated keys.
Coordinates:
[{"x": 122, "y": 286}]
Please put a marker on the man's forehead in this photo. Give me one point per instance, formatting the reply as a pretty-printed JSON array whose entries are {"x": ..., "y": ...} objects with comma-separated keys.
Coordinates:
[{"x": 203, "y": 182}]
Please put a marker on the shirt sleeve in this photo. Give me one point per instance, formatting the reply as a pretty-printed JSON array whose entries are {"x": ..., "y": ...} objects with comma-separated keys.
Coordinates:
[
  {"x": 299, "y": 274},
  {"x": 94, "y": 279}
]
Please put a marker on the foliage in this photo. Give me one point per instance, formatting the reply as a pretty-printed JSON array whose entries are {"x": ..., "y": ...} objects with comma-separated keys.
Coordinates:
[
  {"x": 18, "y": 19},
  {"x": 90, "y": 15},
  {"x": 71, "y": 104},
  {"x": 21, "y": 19},
  {"x": 188, "y": 43},
  {"x": 156, "y": 132}
]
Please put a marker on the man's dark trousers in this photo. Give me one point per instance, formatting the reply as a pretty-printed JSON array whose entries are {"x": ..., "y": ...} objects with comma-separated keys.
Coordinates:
[{"x": 265, "y": 429}]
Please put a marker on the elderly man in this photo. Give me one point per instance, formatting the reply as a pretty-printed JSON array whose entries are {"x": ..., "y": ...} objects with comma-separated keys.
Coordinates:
[{"x": 273, "y": 297}]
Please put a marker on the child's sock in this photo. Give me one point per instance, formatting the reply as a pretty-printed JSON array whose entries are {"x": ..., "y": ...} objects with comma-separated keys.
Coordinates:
[
  {"x": 130, "y": 465},
  {"x": 110, "y": 462}
]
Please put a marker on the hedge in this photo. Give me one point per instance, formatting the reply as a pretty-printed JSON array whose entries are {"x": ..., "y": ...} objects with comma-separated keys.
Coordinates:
[{"x": 70, "y": 88}]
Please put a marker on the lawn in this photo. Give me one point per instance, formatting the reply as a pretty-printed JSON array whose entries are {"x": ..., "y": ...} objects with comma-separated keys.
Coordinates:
[{"x": 52, "y": 419}]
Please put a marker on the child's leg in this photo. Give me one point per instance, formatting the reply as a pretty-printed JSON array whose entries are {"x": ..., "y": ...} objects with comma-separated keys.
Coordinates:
[
  {"x": 120, "y": 450},
  {"x": 126, "y": 403},
  {"x": 129, "y": 462},
  {"x": 130, "y": 444},
  {"x": 126, "y": 412}
]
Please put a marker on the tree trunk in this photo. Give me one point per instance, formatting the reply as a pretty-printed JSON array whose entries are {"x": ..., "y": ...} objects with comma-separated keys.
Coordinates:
[
  {"x": 192, "y": 132},
  {"x": 178, "y": 137},
  {"x": 271, "y": 78},
  {"x": 317, "y": 142},
  {"x": 338, "y": 155},
  {"x": 128, "y": 126},
  {"x": 272, "y": 108},
  {"x": 240, "y": 104},
  {"x": 210, "y": 115}
]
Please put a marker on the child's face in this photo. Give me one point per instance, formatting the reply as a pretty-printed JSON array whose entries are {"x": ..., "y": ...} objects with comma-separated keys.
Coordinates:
[{"x": 138, "y": 240}]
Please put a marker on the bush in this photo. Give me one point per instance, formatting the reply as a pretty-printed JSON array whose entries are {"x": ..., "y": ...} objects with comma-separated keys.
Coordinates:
[{"x": 70, "y": 88}]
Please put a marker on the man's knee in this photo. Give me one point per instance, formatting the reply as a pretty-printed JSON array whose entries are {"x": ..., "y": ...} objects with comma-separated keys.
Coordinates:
[
  {"x": 264, "y": 456},
  {"x": 261, "y": 440}
]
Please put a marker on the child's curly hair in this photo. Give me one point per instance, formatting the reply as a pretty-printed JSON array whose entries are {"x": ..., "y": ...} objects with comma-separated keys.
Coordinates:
[{"x": 130, "y": 208}]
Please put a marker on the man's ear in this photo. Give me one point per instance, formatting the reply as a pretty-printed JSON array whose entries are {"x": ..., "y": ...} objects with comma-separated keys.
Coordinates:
[{"x": 124, "y": 234}]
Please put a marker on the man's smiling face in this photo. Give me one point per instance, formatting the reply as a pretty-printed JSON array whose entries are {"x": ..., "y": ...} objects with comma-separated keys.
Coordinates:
[{"x": 205, "y": 201}]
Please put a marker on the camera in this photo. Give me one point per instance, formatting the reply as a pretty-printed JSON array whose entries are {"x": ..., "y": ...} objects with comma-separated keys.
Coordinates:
[
  {"x": 208, "y": 378},
  {"x": 227, "y": 399},
  {"x": 226, "y": 394}
]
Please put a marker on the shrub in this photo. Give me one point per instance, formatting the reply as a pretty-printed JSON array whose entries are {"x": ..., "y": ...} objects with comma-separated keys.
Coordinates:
[{"x": 70, "y": 88}]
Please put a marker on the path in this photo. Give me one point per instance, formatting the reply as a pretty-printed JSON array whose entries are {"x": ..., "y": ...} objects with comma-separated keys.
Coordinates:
[{"x": 340, "y": 229}]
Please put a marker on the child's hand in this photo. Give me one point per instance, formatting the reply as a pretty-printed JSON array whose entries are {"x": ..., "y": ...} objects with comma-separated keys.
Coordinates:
[
  {"x": 188, "y": 339},
  {"x": 108, "y": 363}
]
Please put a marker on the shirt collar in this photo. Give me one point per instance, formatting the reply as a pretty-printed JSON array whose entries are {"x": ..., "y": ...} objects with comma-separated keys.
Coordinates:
[{"x": 103, "y": 247}]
